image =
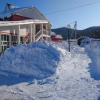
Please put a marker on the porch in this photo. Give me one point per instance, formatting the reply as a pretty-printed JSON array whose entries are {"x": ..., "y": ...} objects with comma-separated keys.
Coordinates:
[{"x": 27, "y": 31}]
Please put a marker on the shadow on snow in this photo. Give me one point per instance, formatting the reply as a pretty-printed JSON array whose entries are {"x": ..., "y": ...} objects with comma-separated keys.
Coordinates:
[{"x": 8, "y": 78}]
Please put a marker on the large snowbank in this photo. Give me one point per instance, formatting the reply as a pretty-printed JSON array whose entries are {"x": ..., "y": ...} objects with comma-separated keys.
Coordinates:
[
  {"x": 93, "y": 51},
  {"x": 35, "y": 59}
]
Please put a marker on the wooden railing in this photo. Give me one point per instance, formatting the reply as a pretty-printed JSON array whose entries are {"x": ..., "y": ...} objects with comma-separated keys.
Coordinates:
[
  {"x": 26, "y": 38},
  {"x": 38, "y": 36}
]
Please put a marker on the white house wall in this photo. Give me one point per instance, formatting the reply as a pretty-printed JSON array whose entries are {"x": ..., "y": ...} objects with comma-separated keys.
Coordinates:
[
  {"x": 5, "y": 29},
  {"x": 13, "y": 29},
  {"x": 22, "y": 29}
]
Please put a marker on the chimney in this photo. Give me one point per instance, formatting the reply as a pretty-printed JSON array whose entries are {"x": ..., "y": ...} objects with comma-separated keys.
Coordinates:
[{"x": 10, "y": 6}]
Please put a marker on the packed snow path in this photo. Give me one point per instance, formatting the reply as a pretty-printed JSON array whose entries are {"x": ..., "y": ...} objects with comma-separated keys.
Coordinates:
[{"x": 71, "y": 80}]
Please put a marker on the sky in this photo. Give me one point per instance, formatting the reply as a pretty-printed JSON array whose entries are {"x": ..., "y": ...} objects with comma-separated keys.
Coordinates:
[{"x": 55, "y": 11}]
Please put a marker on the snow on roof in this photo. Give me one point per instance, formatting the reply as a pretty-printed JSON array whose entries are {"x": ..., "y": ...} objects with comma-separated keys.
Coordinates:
[
  {"x": 58, "y": 36},
  {"x": 9, "y": 12},
  {"x": 30, "y": 12},
  {"x": 52, "y": 33}
]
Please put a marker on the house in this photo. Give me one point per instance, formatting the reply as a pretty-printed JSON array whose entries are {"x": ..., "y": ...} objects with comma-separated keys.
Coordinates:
[
  {"x": 22, "y": 25},
  {"x": 56, "y": 38}
]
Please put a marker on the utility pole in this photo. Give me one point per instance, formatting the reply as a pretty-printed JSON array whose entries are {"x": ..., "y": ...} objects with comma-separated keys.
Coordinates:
[
  {"x": 68, "y": 26},
  {"x": 75, "y": 29}
]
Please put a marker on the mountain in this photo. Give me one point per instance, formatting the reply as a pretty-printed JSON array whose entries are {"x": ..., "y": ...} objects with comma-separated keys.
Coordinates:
[{"x": 92, "y": 32}]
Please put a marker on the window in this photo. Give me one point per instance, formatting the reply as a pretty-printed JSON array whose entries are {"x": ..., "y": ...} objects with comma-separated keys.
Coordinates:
[
  {"x": 14, "y": 38},
  {"x": 5, "y": 37},
  {"x": 21, "y": 39},
  {"x": 5, "y": 43},
  {"x": 2, "y": 37},
  {"x": 2, "y": 48},
  {"x": 5, "y": 47}
]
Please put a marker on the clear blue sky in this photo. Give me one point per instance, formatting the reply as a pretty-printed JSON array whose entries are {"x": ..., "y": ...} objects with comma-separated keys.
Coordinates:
[{"x": 85, "y": 16}]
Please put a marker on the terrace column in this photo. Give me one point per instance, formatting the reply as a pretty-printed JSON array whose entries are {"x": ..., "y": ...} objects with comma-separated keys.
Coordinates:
[
  {"x": 10, "y": 40},
  {"x": 49, "y": 33},
  {"x": 49, "y": 29},
  {"x": 42, "y": 30},
  {"x": 0, "y": 42},
  {"x": 18, "y": 34},
  {"x": 46, "y": 32},
  {"x": 30, "y": 33},
  {"x": 34, "y": 30}
]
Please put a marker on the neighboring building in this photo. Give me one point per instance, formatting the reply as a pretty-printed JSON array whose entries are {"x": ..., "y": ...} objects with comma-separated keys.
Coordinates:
[
  {"x": 22, "y": 25},
  {"x": 56, "y": 38}
]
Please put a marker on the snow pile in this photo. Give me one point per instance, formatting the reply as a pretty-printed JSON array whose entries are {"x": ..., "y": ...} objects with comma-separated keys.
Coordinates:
[
  {"x": 35, "y": 59},
  {"x": 94, "y": 53},
  {"x": 85, "y": 42}
]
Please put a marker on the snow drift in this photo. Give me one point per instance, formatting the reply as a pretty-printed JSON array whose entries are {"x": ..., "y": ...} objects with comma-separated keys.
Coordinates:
[
  {"x": 93, "y": 51},
  {"x": 35, "y": 59}
]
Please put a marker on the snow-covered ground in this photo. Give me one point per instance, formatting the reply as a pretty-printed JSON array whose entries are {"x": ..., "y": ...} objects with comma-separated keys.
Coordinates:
[{"x": 47, "y": 71}]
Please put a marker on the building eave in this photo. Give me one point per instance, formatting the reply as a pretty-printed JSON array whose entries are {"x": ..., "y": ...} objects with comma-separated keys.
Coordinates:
[{"x": 23, "y": 22}]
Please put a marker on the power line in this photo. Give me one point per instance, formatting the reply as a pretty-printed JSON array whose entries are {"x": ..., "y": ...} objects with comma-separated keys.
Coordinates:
[
  {"x": 80, "y": 26},
  {"x": 55, "y": 22},
  {"x": 62, "y": 25},
  {"x": 73, "y": 8},
  {"x": 69, "y": 24}
]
